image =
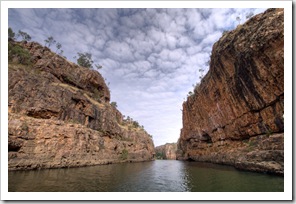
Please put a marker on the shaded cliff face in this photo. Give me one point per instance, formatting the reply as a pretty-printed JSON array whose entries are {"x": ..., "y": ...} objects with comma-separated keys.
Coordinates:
[
  {"x": 167, "y": 151},
  {"x": 60, "y": 116},
  {"x": 233, "y": 115}
]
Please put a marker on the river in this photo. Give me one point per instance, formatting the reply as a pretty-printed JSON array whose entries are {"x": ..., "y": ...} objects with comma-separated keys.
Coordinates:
[{"x": 154, "y": 176}]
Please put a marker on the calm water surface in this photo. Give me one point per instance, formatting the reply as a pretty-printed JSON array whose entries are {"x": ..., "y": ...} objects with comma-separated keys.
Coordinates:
[{"x": 155, "y": 176}]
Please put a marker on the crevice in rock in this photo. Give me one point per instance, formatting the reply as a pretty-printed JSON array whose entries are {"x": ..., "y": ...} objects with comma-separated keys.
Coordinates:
[{"x": 42, "y": 113}]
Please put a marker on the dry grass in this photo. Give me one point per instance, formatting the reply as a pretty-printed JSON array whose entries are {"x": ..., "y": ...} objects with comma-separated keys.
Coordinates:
[
  {"x": 69, "y": 87},
  {"x": 101, "y": 105},
  {"x": 129, "y": 127},
  {"x": 75, "y": 90}
]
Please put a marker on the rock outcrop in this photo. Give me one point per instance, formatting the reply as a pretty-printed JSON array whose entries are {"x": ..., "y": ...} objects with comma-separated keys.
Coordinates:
[
  {"x": 60, "y": 115},
  {"x": 235, "y": 115},
  {"x": 166, "y": 151}
]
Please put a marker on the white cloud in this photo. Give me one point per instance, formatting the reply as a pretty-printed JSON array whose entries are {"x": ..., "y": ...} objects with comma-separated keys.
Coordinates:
[
  {"x": 211, "y": 38},
  {"x": 143, "y": 65},
  {"x": 110, "y": 64},
  {"x": 193, "y": 49}
]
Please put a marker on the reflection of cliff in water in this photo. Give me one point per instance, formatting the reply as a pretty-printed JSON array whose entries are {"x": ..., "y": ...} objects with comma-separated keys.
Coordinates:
[{"x": 155, "y": 176}]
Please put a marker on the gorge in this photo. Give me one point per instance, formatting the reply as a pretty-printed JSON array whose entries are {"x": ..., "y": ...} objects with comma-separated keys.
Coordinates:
[
  {"x": 166, "y": 151},
  {"x": 60, "y": 115}
]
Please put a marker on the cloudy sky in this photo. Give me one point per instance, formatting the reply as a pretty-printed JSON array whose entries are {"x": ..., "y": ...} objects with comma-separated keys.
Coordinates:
[{"x": 150, "y": 57}]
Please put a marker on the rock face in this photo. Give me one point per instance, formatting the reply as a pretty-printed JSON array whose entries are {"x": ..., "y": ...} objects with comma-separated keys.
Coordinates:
[
  {"x": 60, "y": 116},
  {"x": 167, "y": 151},
  {"x": 235, "y": 115}
]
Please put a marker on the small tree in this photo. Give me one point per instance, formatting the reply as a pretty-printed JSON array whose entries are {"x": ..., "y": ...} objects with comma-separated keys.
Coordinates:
[
  {"x": 98, "y": 66},
  {"x": 224, "y": 32},
  {"x": 196, "y": 87},
  {"x": 114, "y": 104},
  {"x": 11, "y": 34},
  {"x": 136, "y": 124},
  {"x": 238, "y": 19},
  {"x": 84, "y": 60},
  {"x": 249, "y": 15},
  {"x": 25, "y": 36},
  {"x": 50, "y": 41},
  {"x": 58, "y": 45}
]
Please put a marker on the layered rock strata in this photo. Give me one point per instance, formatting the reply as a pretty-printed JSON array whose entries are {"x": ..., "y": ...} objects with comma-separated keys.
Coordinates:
[
  {"x": 60, "y": 116},
  {"x": 235, "y": 115}
]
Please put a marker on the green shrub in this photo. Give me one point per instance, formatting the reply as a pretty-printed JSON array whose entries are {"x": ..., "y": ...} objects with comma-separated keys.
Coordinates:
[
  {"x": 124, "y": 154},
  {"x": 269, "y": 132},
  {"x": 114, "y": 104},
  {"x": 97, "y": 95},
  {"x": 136, "y": 124},
  {"x": 84, "y": 60},
  {"x": 16, "y": 51},
  {"x": 11, "y": 34},
  {"x": 159, "y": 155}
]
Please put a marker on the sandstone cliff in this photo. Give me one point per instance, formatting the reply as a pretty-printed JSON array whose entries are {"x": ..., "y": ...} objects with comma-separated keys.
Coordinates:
[
  {"x": 166, "y": 151},
  {"x": 235, "y": 116},
  {"x": 60, "y": 115}
]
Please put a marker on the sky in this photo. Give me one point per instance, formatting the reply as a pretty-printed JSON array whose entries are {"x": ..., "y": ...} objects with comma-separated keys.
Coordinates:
[{"x": 151, "y": 58}]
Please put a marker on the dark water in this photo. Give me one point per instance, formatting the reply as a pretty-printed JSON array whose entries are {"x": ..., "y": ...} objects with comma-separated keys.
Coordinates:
[{"x": 155, "y": 176}]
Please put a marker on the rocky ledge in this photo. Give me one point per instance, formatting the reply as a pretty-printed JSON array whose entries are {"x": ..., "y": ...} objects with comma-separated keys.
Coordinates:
[
  {"x": 60, "y": 115},
  {"x": 235, "y": 115}
]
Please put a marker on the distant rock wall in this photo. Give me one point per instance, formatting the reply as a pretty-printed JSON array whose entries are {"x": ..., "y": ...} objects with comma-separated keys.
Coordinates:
[
  {"x": 60, "y": 116},
  {"x": 235, "y": 116},
  {"x": 166, "y": 151}
]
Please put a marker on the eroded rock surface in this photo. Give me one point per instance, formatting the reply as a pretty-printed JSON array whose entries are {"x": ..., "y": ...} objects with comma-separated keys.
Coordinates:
[
  {"x": 60, "y": 116},
  {"x": 235, "y": 116},
  {"x": 166, "y": 151}
]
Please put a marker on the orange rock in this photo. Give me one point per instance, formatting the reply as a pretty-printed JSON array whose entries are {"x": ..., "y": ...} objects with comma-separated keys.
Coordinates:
[
  {"x": 241, "y": 97},
  {"x": 166, "y": 151},
  {"x": 60, "y": 116}
]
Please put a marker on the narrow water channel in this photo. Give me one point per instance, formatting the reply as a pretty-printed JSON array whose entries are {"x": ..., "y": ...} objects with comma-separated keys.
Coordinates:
[{"x": 155, "y": 176}]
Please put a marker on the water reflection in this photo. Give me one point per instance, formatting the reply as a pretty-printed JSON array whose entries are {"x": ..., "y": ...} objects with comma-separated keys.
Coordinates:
[
  {"x": 157, "y": 176},
  {"x": 205, "y": 177}
]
